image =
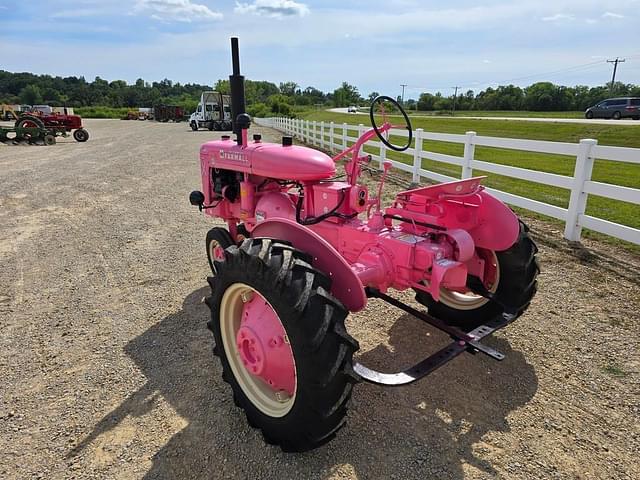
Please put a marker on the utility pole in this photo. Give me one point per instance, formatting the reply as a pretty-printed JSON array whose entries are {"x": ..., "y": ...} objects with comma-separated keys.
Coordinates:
[
  {"x": 403, "y": 85},
  {"x": 615, "y": 67},
  {"x": 455, "y": 99}
]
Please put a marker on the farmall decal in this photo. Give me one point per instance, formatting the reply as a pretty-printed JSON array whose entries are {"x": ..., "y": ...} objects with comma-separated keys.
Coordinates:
[{"x": 233, "y": 156}]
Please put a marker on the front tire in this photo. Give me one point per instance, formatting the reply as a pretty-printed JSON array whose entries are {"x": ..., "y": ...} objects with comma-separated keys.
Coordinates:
[
  {"x": 194, "y": 126},
  {"x": 80, "y": 135},
  {"x": 217, "y": 241},
  {"x": 589, "y": 115},
  {"x": 616, "y": 115},
  {"x": 515, "y": 287},
  {"x": 313, "y": 409}
]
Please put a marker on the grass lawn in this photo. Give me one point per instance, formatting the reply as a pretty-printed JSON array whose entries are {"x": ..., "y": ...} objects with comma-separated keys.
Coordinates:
[
  {"x": 618, "y": 173},
  {"x": 498, "y": 113}
]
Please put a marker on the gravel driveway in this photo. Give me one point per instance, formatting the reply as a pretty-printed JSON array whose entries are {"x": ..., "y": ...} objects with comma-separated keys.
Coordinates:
[{"x": 107, "y": 369}]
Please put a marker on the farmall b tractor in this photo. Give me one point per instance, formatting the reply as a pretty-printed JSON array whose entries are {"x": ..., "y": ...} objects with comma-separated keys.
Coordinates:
[{"x": 303, "y": 249}]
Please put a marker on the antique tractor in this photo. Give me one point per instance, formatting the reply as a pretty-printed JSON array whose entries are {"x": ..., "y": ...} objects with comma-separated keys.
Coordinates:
[
  {"x": 59, "y": 124},
  {"x": 302, "y": 249}
]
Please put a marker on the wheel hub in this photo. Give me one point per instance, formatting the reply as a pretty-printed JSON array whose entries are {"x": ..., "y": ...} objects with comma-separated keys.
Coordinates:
[
  {"x": 263, "y": 346},
  {"x": 218, "y": 253}
]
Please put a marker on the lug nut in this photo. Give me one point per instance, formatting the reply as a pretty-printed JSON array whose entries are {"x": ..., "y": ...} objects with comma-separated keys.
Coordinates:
[{"x": 246, "y": 296}]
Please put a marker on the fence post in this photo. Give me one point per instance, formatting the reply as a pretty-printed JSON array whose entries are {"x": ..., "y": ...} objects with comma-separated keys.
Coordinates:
[
  {"x": 331, "y": 135},
  {"x": 322, "y": 134},
  {"x": 467, "y": 158},
  {"x": 417, "y": 159},
  {"x": 344, "y": 136},
  {"x": 578, "y": 199}
]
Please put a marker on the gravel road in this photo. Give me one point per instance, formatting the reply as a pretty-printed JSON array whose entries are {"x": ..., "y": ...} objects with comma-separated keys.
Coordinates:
[{"x": 107, "y": 369}]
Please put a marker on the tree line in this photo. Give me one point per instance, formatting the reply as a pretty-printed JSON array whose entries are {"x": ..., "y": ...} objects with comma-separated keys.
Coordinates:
[
  {"x": 266, "y": 98},
  {"x": 541, "y": 96}
]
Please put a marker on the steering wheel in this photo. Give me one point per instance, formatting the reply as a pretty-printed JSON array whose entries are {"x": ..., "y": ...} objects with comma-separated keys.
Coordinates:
[{"x": 383, "y": 98}]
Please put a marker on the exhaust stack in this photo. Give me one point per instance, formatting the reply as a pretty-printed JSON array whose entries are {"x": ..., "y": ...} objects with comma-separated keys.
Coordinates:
[{"x": 239, "y": 118}]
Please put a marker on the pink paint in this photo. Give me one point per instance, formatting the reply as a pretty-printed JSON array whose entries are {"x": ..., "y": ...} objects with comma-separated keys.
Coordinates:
[
  {"x": 430, "y": 237},
  {"x": 264, "y": 347}
]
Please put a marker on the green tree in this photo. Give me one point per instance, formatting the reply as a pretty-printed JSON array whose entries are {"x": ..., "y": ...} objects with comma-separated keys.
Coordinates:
[
  {"x": 31, "y": 95},
  {"x": 426, "y": 102},
  {"x": 346, "y": 95}
]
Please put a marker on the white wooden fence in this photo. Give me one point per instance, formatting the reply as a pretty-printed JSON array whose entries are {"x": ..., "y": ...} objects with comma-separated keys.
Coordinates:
[{"x": 324, "y": 135}]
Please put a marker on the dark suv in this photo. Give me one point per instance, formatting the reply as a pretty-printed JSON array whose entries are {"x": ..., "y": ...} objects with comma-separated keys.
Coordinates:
[{"x": 616, "y": 108}]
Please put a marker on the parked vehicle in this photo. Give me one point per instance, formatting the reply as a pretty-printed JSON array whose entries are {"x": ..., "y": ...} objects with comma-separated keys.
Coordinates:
[
  {"x": 58, "y": 124},
  {"x": 303, "y": 248},
  {"x": 9, "y": 112},
  {"x": 213, "y": 112},
  {"x": 352, "y": 109},
  {"x": 616, "y": 108},
  {"x": 164, "y": 113}
]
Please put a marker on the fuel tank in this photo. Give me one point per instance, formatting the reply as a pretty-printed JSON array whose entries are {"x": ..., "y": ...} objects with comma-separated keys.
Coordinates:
[{"x": 271, "y": 160}]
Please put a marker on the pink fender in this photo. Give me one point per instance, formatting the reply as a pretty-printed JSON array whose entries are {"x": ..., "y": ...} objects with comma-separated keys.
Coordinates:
[
  {"x": 463, "y": 205},
  {"x": 498, "y": 227},
  {"x": 345, "y": 284}
]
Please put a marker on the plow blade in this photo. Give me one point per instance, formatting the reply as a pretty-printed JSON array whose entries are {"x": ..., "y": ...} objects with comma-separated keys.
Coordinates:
[{"x": 463, "y": 341}]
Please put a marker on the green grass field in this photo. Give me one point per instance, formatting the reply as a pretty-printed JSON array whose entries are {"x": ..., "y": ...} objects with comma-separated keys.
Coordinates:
[
  {"x": 619, "y": 173},
  {"x": 498, "y": 113}
]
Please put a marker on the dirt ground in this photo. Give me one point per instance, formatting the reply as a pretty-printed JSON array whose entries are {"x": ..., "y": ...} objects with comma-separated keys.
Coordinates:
[{"x": 107, "y": 369}]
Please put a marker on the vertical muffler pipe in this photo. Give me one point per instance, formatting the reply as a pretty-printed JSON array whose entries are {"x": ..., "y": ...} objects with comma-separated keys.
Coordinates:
[{"x": 236, "y": 84}]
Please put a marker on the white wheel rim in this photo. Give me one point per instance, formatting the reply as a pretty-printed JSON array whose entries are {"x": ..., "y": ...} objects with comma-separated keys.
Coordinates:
[
  {"x": 263, "y": 397},
  {"x": 470, "y": 300}
]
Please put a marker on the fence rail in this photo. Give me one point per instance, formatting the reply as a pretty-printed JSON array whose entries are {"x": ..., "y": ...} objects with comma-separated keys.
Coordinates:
[{"x": 336, "y": 136}]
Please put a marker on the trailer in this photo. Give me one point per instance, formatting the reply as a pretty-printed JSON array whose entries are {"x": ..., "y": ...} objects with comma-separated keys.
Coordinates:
[
  {"x": 213, "y": 112},
  {"x": 164, "y": 113}
]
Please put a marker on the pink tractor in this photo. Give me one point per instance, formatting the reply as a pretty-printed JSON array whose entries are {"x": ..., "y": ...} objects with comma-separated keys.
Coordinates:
[{"x": 302, "y": 249}]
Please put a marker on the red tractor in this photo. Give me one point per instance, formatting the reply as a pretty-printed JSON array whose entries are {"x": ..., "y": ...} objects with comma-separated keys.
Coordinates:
[
  {"x": 57, "y": 123},
  {"x": 303, "y": 248}
]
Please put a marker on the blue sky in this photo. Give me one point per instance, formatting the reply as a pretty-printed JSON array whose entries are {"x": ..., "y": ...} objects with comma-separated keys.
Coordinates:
[{"x": 375, "y": 45}]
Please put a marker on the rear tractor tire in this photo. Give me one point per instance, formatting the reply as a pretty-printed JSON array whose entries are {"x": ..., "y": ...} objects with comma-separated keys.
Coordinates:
[
  {"x": 29, "y": 121},
  {"x": 282, "y": 343},
  {"x": 514, "y": 285}
]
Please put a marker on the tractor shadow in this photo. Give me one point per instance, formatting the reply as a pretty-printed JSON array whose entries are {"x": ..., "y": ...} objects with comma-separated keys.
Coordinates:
[{"x": 429, "y": 429}]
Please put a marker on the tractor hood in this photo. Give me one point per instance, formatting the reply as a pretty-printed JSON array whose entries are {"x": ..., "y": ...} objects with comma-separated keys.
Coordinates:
[{"x": 268, "y": 160}]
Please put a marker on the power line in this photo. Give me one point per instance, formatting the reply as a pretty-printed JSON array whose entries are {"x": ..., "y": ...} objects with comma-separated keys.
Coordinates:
[
  {"x": 502, "y": 82},
  {"x": 403, "y": 85}
]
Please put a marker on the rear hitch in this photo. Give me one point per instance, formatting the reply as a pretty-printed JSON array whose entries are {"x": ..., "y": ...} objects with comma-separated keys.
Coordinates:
[{"x": 462, "y": 342}]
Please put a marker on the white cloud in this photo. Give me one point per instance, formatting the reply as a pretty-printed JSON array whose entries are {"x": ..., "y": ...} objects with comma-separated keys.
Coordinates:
[
  {"x": 176, "y": 10},
  {"x": 612, "y": 15},
  {"x": 558, "y": 17},
  {"x": 591, "y": 21},
  {"x": 273, "y": 8},
  {"x": 486, "y": 61}
]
